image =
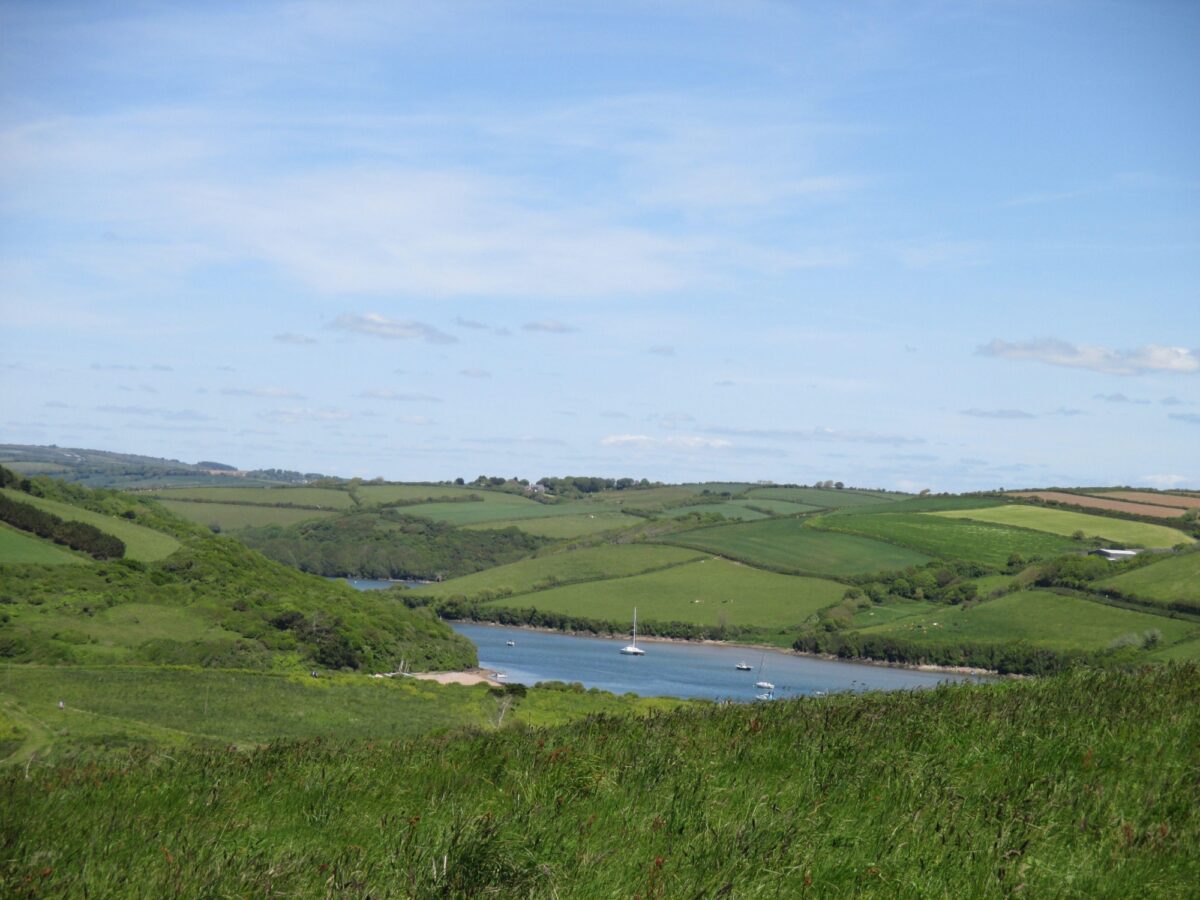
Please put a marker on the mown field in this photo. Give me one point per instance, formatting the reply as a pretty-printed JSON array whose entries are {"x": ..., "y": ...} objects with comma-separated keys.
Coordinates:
[
  {"x": 1155, "y": 497},
  {"x": 707, "y": 592},
  {"x": 1173, "y": 579},
  {"x": 822, "y": 497},
  {"x": 1039, "y": 618},
  {"x": 790, "y": 545},
  {"x": 232, "y": 516},
  {"x": 17, "y": 547},
  {"x": 588, "y": 564},
  {"x": 325, "y": 498},
  {"x": 115, "y": 706},
  {"x": 1105, "y": 501},
  {"x": 564, "y": 527},
  {"x": 957, "y": 539},
  {"x": 1062, "y": 522},
  {"x": 144, "y": 544},
  {"x": 1082, "y": 785}
]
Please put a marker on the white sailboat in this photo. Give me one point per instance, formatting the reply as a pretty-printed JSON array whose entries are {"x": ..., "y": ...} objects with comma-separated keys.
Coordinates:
[
  {"x": 762, "y": 682},
  {"x": 633, "y": 649}
]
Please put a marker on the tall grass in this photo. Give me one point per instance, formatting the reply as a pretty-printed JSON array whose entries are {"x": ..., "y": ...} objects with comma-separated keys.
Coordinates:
[{"x": 1084, "y": 785}]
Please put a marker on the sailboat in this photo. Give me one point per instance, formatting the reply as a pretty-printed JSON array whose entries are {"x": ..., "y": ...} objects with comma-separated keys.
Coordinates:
[
  {"x": 633, "y": 649},
  {"x": 762, "y": 682}
]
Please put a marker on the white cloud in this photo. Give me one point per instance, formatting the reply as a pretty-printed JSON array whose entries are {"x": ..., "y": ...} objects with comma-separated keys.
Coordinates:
[
  {"x": 398, "y": 396},
  {"x": 391, "y": 329},
  {"x": 277, "y": 393},
  {"x": 290, "y": 338},
  {"x": 550, "y": 326},
  {"x": 997, "y": 413},
  {"x": 822, "y": 434},
  {"x": 309, "y": 414},
  {"x": 1151, "y": 358},
  {"x": 1166, "y": 481},
  {"x": 673, "y": 442}
]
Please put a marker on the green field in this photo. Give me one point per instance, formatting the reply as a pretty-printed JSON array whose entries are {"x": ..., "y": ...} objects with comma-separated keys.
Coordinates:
[
  {"x": 178, "y": 705},
  {"x": 1078, "y": 786},
  {"x": 232, "y": 516},
  {"x": 589, "y": 564},
  {"x": 141, "y": 543},
  {"x": 326, "y": 498},
  {"x": 821, "y": 497},
  {"x": 1172, "y": 579},
  {"x": 707, "y": 592},
  {"x": 779, "y": 507},
  {"x": 570, "y": 526},
  {"x": 17, "y": 547},
  {"x": 1039, "y": 618},
  {"x": 497, "y": 508},
  {"x": 730, "y": 509},
  {"x": 959, "y": 539},
  {"x": 1057, "y": 521},
  {"x": 375, "y": 494},
  {"x": 790, "y": 545},
  {"x": 931, "y": 503}
]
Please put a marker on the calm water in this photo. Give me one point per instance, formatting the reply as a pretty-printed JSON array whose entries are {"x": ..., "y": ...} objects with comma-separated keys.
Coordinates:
[
  {"x": 370, "y": 584},
  {"x": 677, "y": 669}
]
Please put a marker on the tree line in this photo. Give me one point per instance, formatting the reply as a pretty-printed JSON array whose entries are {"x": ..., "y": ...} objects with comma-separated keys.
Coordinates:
[{"x": 76, "y": 535}]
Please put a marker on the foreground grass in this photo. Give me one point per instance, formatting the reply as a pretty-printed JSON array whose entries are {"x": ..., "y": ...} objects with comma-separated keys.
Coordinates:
[
  {"x": 1079, "y": 786},
  {"x": 106, "y": 707}
]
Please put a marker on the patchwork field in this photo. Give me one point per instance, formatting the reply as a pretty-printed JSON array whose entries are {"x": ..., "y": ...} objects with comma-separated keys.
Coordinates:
[
  {"x": 789, "y": 545},
  {"x": 731, "y": 509},
  {"x": 946, "y": 538},
  {"x": 232, "y": 516},
  {"x": 17, "y": 547},
  {"x": 1039, "y": 618},
  {"x": 143, "y": 544},
  {"x": 567, "y": 526},
  {"x": 828, "y": 499},
  {"x": 590, "y": 564},
  {"x": 706, "y": 592},
  {"x": 1116, "y": 504},
  {"x": 1155, "y": 497},
  {"x": 1171, "y": 580},
  {"x": 375, "y": 494},
  {"x": 325, "y": 498},
  {"x": 779, "y": 507},
  {"x": 922, "y": 504},
  {"x": 1062, "y": 522},
  {"x": 497, "y": 508}
]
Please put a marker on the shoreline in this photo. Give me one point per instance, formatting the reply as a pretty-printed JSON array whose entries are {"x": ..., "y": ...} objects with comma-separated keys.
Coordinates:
[{"x": 916, "y": 667}]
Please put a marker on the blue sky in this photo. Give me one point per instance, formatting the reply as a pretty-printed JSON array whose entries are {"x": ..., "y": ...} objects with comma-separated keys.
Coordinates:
[{"x": 905, "y": 245}]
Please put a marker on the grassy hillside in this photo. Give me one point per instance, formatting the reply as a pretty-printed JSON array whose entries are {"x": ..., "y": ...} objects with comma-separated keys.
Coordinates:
[
  {"x": 1172, "y": 579},
  {"x": 969, "y": 540},
  {"x": 588, "y": 564},
  {"x": 564, "y": 527},
  {"x": 232, "y": 516},
  {"x": 708, "y": 592},
  {"x": 17, "y": 547},
  {"x": 829, "y": 499},
  {"x": 789, "y": 545},
  {"x": 319, "y": 498},
  {"x": 1057, "y": 521},
  {"x": 1038, "y": 618},
  {"x": 113, "y": 707},
  {"x": 1076, "y": 786},
  {"x": 141, "y": 543}
]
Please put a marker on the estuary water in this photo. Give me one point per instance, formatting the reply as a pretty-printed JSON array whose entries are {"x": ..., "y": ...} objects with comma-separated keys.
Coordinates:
[{"x": 679, "y": 669}]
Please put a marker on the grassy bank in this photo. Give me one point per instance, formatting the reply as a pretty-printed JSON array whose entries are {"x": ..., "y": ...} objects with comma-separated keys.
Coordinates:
[{"x": 1082, "y": 785}]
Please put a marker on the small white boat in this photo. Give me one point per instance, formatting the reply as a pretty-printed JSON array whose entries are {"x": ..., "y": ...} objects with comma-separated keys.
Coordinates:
[
  {"x": 762, "y": 682},
  {"x": 769, "y": 695},
  {"x": 743, "y": 666},
  {"x": 633, "y": 649},
  {"x": 510, "y": 643}
]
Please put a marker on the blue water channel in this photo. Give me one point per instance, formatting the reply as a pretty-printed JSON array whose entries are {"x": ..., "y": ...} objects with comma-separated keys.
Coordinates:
[
  {"x": 672, "y": 668},
  {"x": 679, "y": 669}
]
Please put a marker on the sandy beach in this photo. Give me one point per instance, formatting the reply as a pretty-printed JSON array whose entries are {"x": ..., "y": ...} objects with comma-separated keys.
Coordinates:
[{"x": 466, "y": 676}]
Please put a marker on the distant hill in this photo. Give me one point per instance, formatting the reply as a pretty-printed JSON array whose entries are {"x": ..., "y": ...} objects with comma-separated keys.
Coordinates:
[{"x": 106, "y": 469}]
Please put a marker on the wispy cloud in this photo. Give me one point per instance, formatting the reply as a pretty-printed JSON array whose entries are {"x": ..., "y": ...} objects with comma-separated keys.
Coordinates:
[
  {"x": 997, "y": 413},
  {"x": 154, "y": 412},
  {"x": 550, "y": 326},
  {"x": 1067, "y": 411},
  {"x": 124, "y": 367},
  {"x": 671, "y": 442},
  {"x": 1190, "y": 418},
  {"x": 523, "y": 440},
  {"x": 1166, "y": 481},
  {"x": 820, "y": 434},
  {"x": 1120, "y": 398},
  {"x": 375, "y": 325},
  {"x": 289, "y": 337},
  {"x": 475, "y": 373},
  {"x": 662, "y": 350},
  {"x": 276, "y": 393},
  {"x": 398, "y": 396},
  {"x": 1171, "y": 401},
  {"x": 1151, "y": 358},
  {"x": 299, "y": 414}
]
